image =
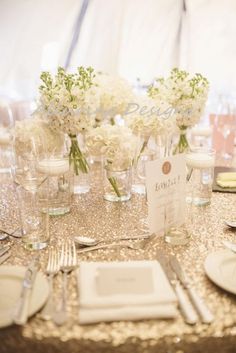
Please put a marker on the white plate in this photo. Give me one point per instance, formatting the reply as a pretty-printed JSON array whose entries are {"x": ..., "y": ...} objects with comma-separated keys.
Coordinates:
[
  {"x": 220, "y": 267},
  {"x": 10, "y": 288}
]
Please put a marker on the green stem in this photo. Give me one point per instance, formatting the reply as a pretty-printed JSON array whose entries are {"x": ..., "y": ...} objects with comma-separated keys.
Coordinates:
[
  {"x": 114, "y": 185},
  {"x": 77, "y": 158},
  {"x": 183, "y": 144}
]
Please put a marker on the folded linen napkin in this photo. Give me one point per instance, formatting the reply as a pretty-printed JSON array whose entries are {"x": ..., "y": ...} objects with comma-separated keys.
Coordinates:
[{"x": 114, "y": 291}]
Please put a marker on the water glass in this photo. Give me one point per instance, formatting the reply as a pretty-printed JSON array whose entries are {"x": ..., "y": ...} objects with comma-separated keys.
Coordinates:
[
  {"x": 139, "y": 172},
  {"x": 56, "y": 191},
  {"x": 200, "y": 163},
  {"x": 117, "y": 184},
  {"x": 34, "y": 219}
]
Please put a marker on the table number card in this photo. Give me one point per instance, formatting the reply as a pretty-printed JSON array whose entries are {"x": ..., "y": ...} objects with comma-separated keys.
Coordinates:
[{"x": 165, "y": 182}]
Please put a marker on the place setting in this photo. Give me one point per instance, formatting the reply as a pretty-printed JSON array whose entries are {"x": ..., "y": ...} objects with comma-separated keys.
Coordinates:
[{"x": 112, "y": 229}]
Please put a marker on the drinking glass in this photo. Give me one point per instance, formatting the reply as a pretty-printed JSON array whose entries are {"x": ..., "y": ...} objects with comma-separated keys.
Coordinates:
[
  {"x": 6, "y": 150},
  {"x": 57, "y": 188},
  {"x": 200, "y": 163},
  {"x": 34, "y": 219}
]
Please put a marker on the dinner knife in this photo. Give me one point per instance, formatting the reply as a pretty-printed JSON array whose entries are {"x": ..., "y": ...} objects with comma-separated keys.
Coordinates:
[
  {"x": 189, "y": 314},
  {"x": 202, "y": 309},
  {"x": 21, "y": 313},
  {"x": 4, "y": 249},
  {"x": 4, "y": 257}
]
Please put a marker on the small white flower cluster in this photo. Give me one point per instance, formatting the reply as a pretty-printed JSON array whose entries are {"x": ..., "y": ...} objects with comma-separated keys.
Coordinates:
[
  {"x": 187, "y": 95},
  {"x": 146, "y": 119},
  {"x": 116, "y": 143},
  {"x": 114, "y": 93},
  {"x": 68, "y": 101},
  {"x": 35, "y": 137}
]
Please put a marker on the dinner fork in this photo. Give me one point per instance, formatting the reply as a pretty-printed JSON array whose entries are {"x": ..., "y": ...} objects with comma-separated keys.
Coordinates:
[
  {"x": 68, "y": 262},
  {"x": 53, "y": 267}
]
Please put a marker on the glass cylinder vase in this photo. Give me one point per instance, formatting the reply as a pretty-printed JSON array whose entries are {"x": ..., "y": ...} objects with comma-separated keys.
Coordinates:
[
  {"x": 117, "y": 184},
  {"x": 182, "y": 145},
  {"x": 57, "y": 188},
  {"x": 79, "y": 165}
]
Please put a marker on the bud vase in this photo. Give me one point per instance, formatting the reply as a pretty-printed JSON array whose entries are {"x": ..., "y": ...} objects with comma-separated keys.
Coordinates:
[
  {"x": 117, "y": 184},
  {"x": 182, "y": 146}
]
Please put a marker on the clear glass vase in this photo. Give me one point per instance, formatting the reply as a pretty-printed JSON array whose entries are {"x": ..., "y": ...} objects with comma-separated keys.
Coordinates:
[
  {"x": 117, "y": 184},
  {"x": 57, "y": 187},
  {"x": 182, "y": 146},
  {"x": 139, "y": 171},
  {"x": 79, "y": 165}
]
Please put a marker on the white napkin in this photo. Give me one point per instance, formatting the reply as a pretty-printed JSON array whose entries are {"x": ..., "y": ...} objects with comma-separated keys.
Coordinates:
[{"x": 114, "y": 291}]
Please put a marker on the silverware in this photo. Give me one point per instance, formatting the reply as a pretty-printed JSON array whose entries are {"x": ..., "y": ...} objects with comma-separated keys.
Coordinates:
[
  {"x": 142, "y": 244},
  {"x": 4, "y": 257},
  {"x": 231, "y": 224},
  {"x": 4, "y": 249},
  {"x": 89, "y": 242},
  {"x": 53, "y": 267},
  {"x": 229, "y": 245},
  {"x": 203, "y": 311},
  {"x": 20, "y": 315},
  {"x": 68, "y": 263},
  {"x": 189, "y": 314},
  {"x": 5, "y": 234}
]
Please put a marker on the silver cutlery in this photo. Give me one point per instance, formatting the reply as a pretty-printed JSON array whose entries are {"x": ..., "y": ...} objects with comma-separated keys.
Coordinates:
[
  {"x": 200, "y": 306},
  {"x": 21, "y": 313},
  {"x": 4, "y": 257},
  {"x": 229, "y": 245},
  {"x": 4, "y": 249},
  {"x": 142, "y": 244},
  {"x": 5, "y": 234},
  {"x": 53, "y": 267},
  {"x": 189, "y": 314},
  {"x": 231, "y": 224},
  {"x": 68, "y": 262},
  {"x": 89, "y": 242}
]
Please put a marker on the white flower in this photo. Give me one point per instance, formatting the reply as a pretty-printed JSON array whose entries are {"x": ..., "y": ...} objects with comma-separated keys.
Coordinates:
[
  {"x": 116, "y": 143},
  {"x": 114, "y": 94},
  {"x": 68, "y": 101},
  {"x": 187, "y": 95},
  {"x": 145, "y": 118},
  {"x": 34, "y": 136}
]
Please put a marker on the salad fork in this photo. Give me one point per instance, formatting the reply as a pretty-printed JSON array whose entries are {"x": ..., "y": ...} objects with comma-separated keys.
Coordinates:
[
  {"x": 68, "y": 262},
  {"x": 53, "y": 267}
]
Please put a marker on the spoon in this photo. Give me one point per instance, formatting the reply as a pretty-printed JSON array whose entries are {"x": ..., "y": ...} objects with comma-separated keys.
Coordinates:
[
  {"x": 231, "y": 224},
  {"x": 4, "y": 234},
  {"x": 87, "y": 241},
  {"x": 229, "y": 245}
]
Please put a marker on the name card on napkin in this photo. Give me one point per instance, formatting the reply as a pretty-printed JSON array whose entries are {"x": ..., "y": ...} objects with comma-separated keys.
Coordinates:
[
  {"x": 165, "y": 182},
  {"x": 130, "y": 280}
]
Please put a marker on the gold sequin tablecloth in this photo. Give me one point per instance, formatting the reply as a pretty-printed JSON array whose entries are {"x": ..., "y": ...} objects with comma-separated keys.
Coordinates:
[{"x": 92, "y": 216}]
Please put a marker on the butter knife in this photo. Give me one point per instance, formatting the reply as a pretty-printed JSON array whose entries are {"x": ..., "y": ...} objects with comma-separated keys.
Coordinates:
[
  {"x": 4, "y": 249},
  {"x": 201, "y": 307},
  {"x": 4, "y": 257},
  {"x": 189, "y": 314},
  {"x": 20, "y": 316}
]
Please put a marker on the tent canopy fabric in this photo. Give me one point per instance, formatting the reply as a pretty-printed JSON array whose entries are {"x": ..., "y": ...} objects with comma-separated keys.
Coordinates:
[{"x": 136, "y": 39}]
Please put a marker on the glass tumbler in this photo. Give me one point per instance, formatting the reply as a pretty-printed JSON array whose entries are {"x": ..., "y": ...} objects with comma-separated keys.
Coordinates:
[
  {"x": 34, "y": 219},
  {"x": 117, "y": 184},
  {"x": 200, "y": 163},
  {"x": 56, "y": 191}
]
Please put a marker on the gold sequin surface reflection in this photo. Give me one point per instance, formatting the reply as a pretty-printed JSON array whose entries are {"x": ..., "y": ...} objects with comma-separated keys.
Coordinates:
[{"x": 92, "y": 216}]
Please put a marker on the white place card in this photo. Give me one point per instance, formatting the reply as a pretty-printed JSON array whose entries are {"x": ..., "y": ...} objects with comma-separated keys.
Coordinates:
[{"x": 165, "y": 183}]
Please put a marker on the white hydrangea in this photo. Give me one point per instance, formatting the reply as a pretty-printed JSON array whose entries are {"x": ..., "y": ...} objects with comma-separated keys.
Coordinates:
[
  {"x": 116, "y": 143},
  {"x": 34, "y": 136},
  {"x": 115, "y": 93}
]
